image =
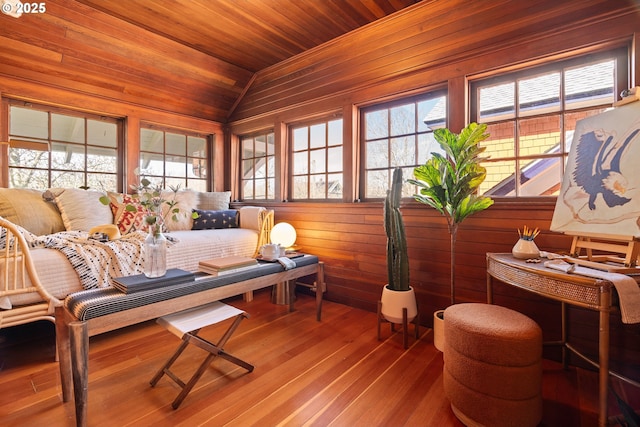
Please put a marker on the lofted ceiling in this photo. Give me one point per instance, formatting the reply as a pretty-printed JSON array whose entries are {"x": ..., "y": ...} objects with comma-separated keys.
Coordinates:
[
  {"x": 250, "y": 34},
  {"x": 194, "y": 58},
  {"x": 230, "y": 60}
]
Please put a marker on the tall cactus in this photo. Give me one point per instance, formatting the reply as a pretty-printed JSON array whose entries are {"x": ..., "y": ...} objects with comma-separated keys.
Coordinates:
[{"x": 397, "y": 257}]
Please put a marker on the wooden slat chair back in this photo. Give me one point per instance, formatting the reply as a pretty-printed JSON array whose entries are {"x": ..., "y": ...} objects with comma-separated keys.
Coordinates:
[{"x": 18, "y": 277}]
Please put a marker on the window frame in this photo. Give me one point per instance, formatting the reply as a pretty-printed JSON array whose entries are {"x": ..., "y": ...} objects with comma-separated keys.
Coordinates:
[
  {"x": 163, "y": 178},
  {"x": 618, "y": 53},
  {"x": 291, "y": 150},
  {"x": 28, "y": 142},
  {"x": 267, "y": 134},
  {"x": 415, "y": 98}
]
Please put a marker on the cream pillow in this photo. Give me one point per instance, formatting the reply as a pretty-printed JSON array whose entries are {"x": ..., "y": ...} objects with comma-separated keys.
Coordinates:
[
  {"x": 187, "y": 202},
  {"x": 81, "y": 210},
  {"x": 215, "y": 201},
  {"x": 26, "y": 208}
]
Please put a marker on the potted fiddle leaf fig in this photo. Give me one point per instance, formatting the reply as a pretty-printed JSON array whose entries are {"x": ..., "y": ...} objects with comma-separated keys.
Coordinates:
[
  {"x": 449, "y": 184},
  {"x": 397, "y": 294}
]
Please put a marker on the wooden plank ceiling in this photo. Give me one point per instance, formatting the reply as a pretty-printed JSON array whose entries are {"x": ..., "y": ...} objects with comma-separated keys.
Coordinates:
[
  {"x": 251, "y": 34},
  {"x": 189, "y": 57}
]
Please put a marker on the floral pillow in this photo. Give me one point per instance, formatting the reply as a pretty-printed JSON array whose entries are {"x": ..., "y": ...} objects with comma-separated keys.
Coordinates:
[{"x": 127, "y": 221}]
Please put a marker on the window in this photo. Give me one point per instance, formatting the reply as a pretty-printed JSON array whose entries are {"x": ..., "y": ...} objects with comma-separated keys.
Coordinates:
[
  {"x": 316, "y": 167},
  {"x": 399, "y": 134},
  {"x": 531, "y": 116},
  {"x": 258, "y": 166},
  {"x": 56, "y": 148},
  {"x": 177, "y": 158}
]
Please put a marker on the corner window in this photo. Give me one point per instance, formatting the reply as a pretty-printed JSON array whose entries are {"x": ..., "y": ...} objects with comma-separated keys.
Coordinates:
[
  {"x": 174, "y": 157},
  {"x": 399, "y": 134},
  {"x": 532, "y": 114},
  {"x": 58, "y": 148},
  {"x": 258, "y": 166},
  {"x": 316, "y": 161}
]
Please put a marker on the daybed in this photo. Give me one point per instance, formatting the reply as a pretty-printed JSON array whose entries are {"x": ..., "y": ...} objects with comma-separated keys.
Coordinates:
[{"x": 48, "y": 218}]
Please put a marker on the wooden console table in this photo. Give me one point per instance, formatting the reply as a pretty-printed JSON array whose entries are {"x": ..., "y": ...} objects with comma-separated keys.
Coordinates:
[
  {"x": 72, "y": 334},
  {"x": 581, "y": 291}
]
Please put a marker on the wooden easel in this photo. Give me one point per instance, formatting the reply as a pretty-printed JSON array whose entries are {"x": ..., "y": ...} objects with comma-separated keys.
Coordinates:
[
  {"x": 617, "y": 254},
  {"x": 613, "y": 253}
]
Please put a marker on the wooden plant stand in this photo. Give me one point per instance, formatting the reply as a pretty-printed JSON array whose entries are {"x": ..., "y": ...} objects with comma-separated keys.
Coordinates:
[{"x": 405, "y": 325}]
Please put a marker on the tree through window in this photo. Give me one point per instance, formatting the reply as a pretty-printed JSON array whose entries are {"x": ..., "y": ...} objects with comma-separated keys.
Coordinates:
[
  {"x": 316, "y": 153},
  {"x": 57, "y": 148},
  {"x": 399, "y": 134},
  {"x": 258, "y": 166}
]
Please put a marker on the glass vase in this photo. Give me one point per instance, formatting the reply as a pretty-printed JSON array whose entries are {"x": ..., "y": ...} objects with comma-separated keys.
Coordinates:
[{"x": 155, "y": 260}]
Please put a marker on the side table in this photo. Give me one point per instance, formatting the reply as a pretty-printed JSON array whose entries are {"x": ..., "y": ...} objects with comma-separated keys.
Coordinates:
[{"x": 580, "y": 291}]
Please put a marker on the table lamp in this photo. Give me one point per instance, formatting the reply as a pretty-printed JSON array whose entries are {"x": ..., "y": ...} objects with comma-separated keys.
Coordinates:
[{"x": 283, "y": 234}]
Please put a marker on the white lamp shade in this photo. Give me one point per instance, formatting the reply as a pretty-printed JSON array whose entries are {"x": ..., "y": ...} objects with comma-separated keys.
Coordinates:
[{"x": 283, "y": 234}]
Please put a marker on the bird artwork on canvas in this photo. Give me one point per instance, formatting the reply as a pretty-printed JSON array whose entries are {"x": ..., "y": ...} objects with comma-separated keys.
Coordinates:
[
  {"x": 597, "y": 169},
  {"x": 600, "y": 191}
]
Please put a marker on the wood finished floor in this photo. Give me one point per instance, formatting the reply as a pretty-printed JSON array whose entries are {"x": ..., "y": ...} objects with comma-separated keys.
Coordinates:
[{"x": 307, "y": 373}]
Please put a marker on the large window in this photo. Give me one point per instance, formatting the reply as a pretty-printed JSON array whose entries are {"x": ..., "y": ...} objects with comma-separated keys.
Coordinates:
[
  {"x": 258, "y": 166},
  {"x": 58, "y": 148},
  {"x": 175, "y": 157},
  {"x": 531, "y": 116},
  {"x": 399, "y": 134},
  {"x": 316, "y": 161}
]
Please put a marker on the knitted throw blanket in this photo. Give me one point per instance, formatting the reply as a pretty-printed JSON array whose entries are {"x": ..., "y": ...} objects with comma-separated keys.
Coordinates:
[{"x": 97, "y": 262}]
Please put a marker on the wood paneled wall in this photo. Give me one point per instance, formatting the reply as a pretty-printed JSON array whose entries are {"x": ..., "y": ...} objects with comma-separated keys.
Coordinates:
[
  {"x": 75, "y": 57},
  {"x": 434, "y": 42},
  {"x": 350, "y": 239},
  {"x": 429, "y": 45}
]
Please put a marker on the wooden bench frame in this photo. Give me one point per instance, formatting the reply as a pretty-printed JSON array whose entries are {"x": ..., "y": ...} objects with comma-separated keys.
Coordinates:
[{"x": 72, "y": 335}]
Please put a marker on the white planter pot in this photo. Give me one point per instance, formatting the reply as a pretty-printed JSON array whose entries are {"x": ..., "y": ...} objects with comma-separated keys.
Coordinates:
[
  {"x": 394, "y": 301},
  {"x": 438, "y": 330}
]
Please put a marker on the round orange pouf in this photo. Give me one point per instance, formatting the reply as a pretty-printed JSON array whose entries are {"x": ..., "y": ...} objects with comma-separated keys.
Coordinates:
[{"x": 492, "y": 366}]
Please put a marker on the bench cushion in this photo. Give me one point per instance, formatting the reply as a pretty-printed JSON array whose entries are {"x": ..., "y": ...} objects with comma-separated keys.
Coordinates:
[{"x": 89, "y": 304}]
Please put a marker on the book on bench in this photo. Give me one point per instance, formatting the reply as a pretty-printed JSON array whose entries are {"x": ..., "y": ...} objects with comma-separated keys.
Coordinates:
[
  {"x": 227, "y": 265},
  {"x": 140, "y": 282}
]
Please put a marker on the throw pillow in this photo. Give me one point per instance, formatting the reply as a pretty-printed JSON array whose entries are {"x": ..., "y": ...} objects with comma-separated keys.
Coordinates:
[
  {"x": 208, "y": 219},
  {"x": 215, "y": 201},
  {"x": 187, "y": 202},
  {"x": 26, "y": 208},
  {"x": 126, "y": 221},
  {"x": 80, "y": 210}
]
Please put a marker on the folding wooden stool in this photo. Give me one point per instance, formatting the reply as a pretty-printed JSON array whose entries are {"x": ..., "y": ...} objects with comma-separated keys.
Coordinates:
[{"x": 186, "y": 325}]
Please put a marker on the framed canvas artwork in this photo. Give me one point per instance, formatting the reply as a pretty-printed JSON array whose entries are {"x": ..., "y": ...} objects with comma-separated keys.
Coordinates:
[{"x": 600, "y": 192}]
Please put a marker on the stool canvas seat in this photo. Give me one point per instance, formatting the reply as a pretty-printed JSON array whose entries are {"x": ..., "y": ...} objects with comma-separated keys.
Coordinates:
[
  {"x": 186, "y": 325},
  {"x": 198, "y": 317}
]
